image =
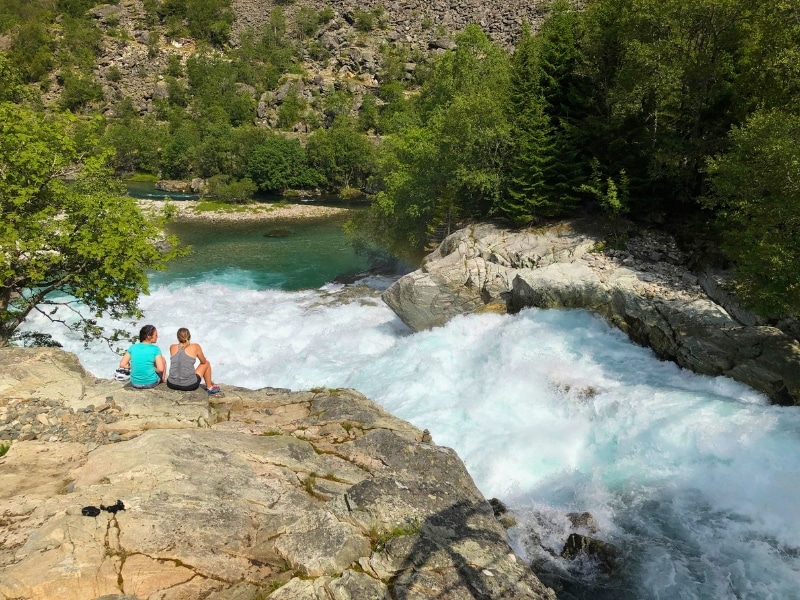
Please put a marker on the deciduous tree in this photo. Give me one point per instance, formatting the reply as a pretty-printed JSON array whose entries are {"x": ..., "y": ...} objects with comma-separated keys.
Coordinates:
[
  {"x": 755, "y": 191},
  {"x": 61, "y": 242}
]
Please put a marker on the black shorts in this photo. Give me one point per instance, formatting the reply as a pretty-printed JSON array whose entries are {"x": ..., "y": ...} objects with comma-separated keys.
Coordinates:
[{"x": 184, "y": 388}]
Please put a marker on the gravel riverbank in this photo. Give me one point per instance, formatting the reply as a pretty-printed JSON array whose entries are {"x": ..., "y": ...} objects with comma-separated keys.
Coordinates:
[{"x": 187, "y": 210}]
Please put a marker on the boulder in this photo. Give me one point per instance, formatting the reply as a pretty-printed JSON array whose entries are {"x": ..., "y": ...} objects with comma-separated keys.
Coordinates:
[
  {"x": 255, "y": 493},
  {"x": 646, "y": 293}
]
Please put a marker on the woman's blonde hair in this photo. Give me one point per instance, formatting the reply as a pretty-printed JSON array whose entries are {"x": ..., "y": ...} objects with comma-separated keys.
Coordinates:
[{"x": 184, "y": 336}]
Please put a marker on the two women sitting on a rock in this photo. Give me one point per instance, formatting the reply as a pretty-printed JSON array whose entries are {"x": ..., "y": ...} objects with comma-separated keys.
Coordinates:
[{"x": 148, "y": 368}]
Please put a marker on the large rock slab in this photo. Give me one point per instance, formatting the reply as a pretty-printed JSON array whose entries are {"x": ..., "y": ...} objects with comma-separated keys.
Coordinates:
[
  {"x": 266, "y": 493},
  {"x": 647, "y": 294}
]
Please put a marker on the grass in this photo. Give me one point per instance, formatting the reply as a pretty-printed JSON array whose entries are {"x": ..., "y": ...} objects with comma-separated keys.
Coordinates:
[
  {"x": 4, "y": 448},
  {"x": 379, "y": 538}
]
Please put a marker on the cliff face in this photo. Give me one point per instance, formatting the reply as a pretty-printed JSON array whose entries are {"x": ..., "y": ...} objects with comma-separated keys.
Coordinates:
[{"x": 267, "y": 493}]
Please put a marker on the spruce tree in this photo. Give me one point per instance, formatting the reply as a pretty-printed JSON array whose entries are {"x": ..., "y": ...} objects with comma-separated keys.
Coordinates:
[{"x": 528, "y": 195}]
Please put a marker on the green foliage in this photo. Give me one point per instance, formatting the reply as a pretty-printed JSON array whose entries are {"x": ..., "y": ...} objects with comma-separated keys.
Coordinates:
[
  {"x": 4, "y": 448},
  {"x": 31, "y": 51},
  {"x": 368, "y": 114},
  {"x": 279, "y": 163},
  {"x": 380, "y": 536},
  {"x": 668, "y": 72},
  {"x": 210, "y": 20},
  {"x": 366, "y": 20},
  {"x": 84, "y": 239},
  {"x": 213, "y": 88},
  {"x": 307, "y": 20},
  {"x": 13, "y": 88},
  {"x": 177, "y": 94},
  {"x": 344, "y": 157},
  {"x": 755, "y": 191},
  {"x": 177, "y": 158},
  {"x": 609, "y": 194},
  {"x": 232, "y": 191},
  {"x": 82, "y": 43},
  {"x": 151, "y": 12},
  {"x": 33, "y": 339},
  {"x": 174, "y": 66},
  {"x": 74, "y": 8},
  {"x": 529, "y": 194},
  {"x": 338, "y": 103},
  {"x": 216, "y": 152},
  {"x": 114, "y": 74},
  {"x": 291, "y": 109},
  {"x": 152, "y": 43},
  {"x": 80, "y": 89},
  {"x": 451, "y": 166}
]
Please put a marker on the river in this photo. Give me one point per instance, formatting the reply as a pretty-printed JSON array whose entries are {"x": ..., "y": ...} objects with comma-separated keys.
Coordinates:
[{"x": 694, "y": 479}]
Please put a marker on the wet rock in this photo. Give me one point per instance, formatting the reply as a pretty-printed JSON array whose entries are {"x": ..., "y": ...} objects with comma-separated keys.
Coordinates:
[
  {"x": 658, "y": 304},
  {"x": 578, "y": 545}
]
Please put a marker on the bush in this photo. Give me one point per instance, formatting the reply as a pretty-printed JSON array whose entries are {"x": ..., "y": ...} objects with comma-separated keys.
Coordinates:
[
  {"x": 279, "y": 164},
  {"x": 232, "y": 191},
  {"x": 79, "y": 90}
]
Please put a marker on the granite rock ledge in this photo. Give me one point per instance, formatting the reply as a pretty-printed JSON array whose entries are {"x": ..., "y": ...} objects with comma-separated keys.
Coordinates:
[
  {"x": 259, "y": 494},
  {"x": 647, "y": 292}
]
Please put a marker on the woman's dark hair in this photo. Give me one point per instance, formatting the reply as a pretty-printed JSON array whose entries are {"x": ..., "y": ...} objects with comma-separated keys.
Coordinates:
[{"x": 146, "y": 331}]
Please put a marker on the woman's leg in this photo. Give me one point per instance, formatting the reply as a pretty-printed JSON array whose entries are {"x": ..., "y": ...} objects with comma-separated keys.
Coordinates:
[{"x": 205, "y": 372}]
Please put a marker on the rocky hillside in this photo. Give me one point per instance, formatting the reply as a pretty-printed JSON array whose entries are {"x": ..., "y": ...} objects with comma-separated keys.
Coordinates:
[
  {"x": 416, "y": 22},
  {"x": 135, "y": 55}
]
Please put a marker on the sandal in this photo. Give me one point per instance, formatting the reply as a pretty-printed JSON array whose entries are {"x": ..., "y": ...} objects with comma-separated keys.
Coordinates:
[{"x": 214, "y": 389}]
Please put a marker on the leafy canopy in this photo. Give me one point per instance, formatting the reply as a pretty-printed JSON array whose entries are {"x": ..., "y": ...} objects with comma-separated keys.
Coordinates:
[{"x": 66, "y": 241}]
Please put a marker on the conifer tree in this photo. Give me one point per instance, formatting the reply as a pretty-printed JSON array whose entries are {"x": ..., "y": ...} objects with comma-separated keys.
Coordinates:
[{"x": 528, "y": 195}]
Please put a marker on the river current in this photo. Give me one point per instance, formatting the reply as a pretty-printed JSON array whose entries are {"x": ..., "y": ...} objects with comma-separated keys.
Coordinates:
[{"x": 695, "y": 480}]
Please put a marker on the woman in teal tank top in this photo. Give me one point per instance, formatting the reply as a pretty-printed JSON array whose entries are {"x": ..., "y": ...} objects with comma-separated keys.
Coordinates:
[{"x": 144, "y": 360}]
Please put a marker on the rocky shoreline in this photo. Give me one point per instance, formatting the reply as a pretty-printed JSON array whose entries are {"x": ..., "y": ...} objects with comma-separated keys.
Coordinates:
[
  {"x": 646, "y": 290},
  {"x": 109, "y": 493}
]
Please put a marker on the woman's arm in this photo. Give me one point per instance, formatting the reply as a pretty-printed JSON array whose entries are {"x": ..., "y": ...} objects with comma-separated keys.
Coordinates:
[
  {"x": 125, "y": 361},
  {"x": 161, "y": 367},
  {"x": 200, "y": 356}
]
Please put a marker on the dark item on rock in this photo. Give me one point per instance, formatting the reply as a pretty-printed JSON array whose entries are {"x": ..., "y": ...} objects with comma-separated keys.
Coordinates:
[
  {"x": 605, "y": 553},
  {"x": 498, "y": 507},
  {"x": 93, "y": 511},
  {"x": 114, "y": 508},
  {"x": 122, "y": 374}
]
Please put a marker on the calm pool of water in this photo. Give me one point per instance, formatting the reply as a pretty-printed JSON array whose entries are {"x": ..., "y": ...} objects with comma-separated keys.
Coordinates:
[{"x": 289, "y": 255}]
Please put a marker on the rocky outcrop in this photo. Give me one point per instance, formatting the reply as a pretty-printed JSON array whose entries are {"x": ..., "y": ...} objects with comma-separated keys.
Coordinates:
[
  {"x": 646, "y": 293},
  {"x": 266, "y": 493}
]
